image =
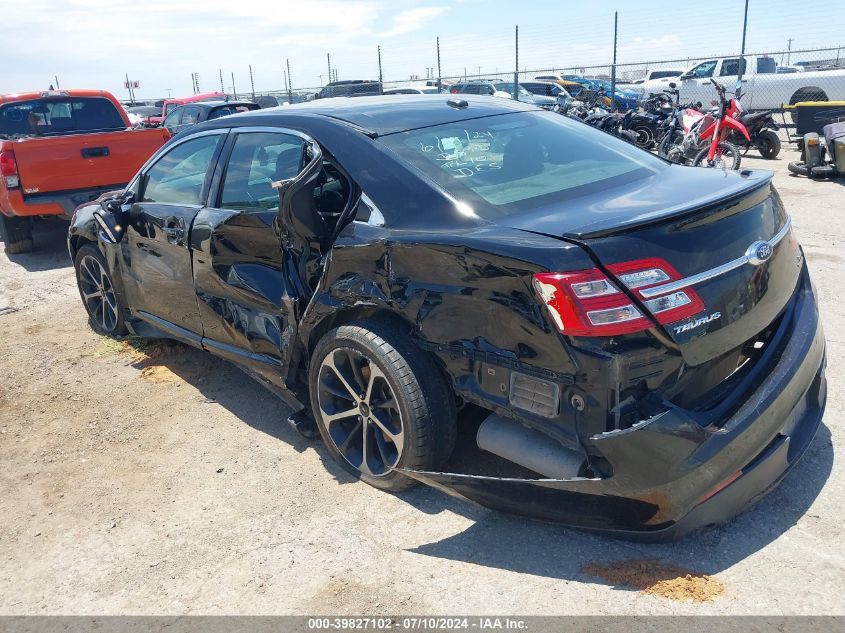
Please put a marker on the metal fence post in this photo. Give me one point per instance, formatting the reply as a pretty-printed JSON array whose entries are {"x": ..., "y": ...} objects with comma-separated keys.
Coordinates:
[
  {"x": 439, "y": 76},
  {"x": 234, "y": 90},
  {"x": 329, "y": 65},
  {"x": 290, "y": 83},
  {"x": 613, "y": 68},
  {"x": 222, "y": 87},
  {"x": 380, "y": 76},
  {"x": 516, "y": 67},
  {"x": 741, "y": 70}
]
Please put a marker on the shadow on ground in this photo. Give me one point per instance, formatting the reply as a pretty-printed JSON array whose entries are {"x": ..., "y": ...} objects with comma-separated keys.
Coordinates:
[
  {"x": 509, "y": 542},
  {"x": 50, "y": 247}
]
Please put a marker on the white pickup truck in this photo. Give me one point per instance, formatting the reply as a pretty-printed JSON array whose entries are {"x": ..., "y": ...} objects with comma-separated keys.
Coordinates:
[{"x": 762, "y": 87}]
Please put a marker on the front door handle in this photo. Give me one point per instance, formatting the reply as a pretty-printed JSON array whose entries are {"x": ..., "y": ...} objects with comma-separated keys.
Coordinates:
[{"x": 174, "y": 229}]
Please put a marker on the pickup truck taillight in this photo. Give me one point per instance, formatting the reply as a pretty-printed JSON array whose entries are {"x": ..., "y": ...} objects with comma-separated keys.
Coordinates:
[
  {"x": 588, "y": 303},
  {"x": 9, "y": 169}
]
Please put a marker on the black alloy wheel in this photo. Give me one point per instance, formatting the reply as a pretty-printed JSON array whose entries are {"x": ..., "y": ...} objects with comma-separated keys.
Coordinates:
[{"x": 98, "y": 293}]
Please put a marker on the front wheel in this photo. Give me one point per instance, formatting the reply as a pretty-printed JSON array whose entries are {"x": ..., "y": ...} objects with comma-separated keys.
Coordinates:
[
  {"x": 105, "y": 314},
  {"x": 768, "y": 144},
  {"x": 381, "y": 404},
  {"x": 726, "y": 157},
  {"x": 645, "y": 136}
]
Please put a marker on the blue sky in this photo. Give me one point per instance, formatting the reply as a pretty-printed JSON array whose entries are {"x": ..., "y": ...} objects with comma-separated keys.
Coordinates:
[{"x": 94, "y": 43}]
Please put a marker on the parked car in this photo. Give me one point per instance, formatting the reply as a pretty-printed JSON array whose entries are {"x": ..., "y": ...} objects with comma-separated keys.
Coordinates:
[
  {"x": 623, "y": 99},
  {"x": 506, "y": 88},
  {"x": 381, "y": 262},
  {"x": 763, "y": 88},
  {"x": 546, "y": 89},
  {"x": 60, "y": 149},
  {"x": 168, "y": 105},
  {"x": 412, "y": 90},
  {"x": 350, "y": 88},
  {"x": 187, "y": 115},
  {"x": 564, "y": 81}
]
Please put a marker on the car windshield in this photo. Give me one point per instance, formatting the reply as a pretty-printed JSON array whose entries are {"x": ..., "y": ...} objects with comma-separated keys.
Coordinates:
[
  {"x": 517, "y": 162},
  {"x": 64, "y": 115}
]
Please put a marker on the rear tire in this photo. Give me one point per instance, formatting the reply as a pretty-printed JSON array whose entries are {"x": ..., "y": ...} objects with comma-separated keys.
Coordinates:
[
  {"x": 768, "y": 144},
  {"x": 16, "y": 233},
  {"x": 644, "y": 136},
  {"x": 96, "y": 288},
  {"x": 726, "y": 153},
  {"x": 406, "y": 418}
]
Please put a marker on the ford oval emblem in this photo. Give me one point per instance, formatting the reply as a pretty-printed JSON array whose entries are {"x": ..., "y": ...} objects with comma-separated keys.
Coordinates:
[{"x": 758, "y": 253}]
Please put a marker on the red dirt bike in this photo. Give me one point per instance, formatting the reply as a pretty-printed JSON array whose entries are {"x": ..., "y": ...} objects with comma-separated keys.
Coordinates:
[{"x": 704, "y": 143}]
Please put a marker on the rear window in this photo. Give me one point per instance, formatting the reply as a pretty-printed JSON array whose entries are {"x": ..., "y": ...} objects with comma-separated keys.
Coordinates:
[
  {"x": 516, "y": 162},
  {"x": 52, "y": 116}
]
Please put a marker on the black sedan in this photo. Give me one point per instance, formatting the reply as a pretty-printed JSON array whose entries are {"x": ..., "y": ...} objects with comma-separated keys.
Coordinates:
[{"x": 641, "y": 339}]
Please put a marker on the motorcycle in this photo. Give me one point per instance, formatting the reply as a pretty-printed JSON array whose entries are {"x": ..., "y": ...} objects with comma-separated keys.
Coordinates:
[
  {"x": 645, "y": 124},
  {"x": 762, "y": 129},
  {"x": 587, "y": 110},
  {"x": 705, "y": 143}
]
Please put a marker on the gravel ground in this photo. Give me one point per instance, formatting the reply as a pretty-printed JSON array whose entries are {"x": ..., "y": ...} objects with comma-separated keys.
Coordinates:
[{"x": 168, "y": 483}]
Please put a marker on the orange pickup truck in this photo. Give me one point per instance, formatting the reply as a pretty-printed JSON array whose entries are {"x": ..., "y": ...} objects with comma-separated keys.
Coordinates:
[{"x": 60, "y": 149}]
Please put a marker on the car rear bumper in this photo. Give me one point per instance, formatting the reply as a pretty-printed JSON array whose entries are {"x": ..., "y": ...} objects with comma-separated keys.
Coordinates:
[
  {"x": 671, "y": 474},
  {"x": 14, "y": 203}
]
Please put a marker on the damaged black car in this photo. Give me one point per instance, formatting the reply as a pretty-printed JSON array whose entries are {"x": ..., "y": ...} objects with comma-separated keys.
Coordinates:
[{"x": 642, "y": 338}]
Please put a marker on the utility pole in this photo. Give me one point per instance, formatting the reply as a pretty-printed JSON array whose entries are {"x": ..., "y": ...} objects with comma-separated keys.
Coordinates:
[
  {"x": 251, "y": 82},
  {"x": 222, "y": 88},
  {"x": 741, "y": 69},
  {"x": 516, "y": 67},
  {"x": 329, "y": 65},
  {"x": 56, "y": 77},
  {"x": 613, "y": 68},
  {"x": 439, "y": 75},
  {"x": 290, "y": 83},
  {"x": 234, "y": 90},
  {"x": 380, "y": 76},
  {"x": 129, "y": 89}
]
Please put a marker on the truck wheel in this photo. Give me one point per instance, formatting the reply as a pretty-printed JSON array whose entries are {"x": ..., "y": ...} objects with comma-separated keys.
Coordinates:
[
  {"x": 380, "y": 403},
  {"x": 727, "y": 157},
  {"x": 16, "y": 233},
  {"x": 808, "y": 93},
  {"x": 768, "y": 144},
  {"x": 105, "y": 314}
]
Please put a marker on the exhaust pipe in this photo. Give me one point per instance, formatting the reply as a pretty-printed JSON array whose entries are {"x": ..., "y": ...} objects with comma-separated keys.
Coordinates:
[{"x": 528, "y": 448}]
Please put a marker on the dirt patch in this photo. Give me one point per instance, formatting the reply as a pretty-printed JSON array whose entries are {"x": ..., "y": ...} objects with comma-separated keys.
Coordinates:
[
  {"x": 155, "y": 359},
  {"x": 658, "y": 579}
]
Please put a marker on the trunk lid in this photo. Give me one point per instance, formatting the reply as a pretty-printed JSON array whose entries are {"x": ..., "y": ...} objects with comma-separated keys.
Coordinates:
[
  {"x": 730, "y": 237},
  {"x": 83, "y": 161}
]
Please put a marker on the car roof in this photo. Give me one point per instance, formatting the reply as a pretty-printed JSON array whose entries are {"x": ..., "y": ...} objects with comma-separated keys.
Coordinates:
[
  {"x": 43, "y": 94},
  {"x": 214, "y": 104},
  {"x": 381, "y": 115}
]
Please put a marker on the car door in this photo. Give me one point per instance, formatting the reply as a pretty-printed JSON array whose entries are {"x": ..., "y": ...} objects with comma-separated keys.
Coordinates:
[
  {"x": 238, "y": 270},
  {"x": 695, "y": 85},
  {"x": 157, "y": 267}
]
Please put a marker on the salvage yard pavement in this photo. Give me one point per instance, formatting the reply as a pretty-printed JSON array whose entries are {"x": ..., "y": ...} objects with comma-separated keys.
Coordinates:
[{"x": 147, "y": 477}]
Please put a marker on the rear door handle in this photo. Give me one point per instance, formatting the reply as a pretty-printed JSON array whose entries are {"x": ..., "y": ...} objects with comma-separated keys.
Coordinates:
[{"x": 94, "y": 152}]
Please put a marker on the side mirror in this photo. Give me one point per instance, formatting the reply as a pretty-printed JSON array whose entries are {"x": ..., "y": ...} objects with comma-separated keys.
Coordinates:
[{"x": 111, "y": 218}]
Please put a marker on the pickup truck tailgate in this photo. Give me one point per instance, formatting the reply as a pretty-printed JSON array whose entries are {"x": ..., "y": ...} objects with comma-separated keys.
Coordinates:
[{"x": 84, "y": 161}]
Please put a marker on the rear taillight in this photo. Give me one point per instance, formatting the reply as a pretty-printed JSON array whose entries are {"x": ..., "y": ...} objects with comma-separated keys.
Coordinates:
[
  {"x": 588, "y": 303},
  {"x": 9, "y": 169}
]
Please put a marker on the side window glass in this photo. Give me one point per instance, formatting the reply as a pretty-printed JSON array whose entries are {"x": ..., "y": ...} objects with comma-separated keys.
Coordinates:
[
  {"x": 190, "y": 115},
  {"x": 179, "y": 175},
  {"x": 766, "y": 65},
  {"x": 258, "y": 159},
  {"x": 172, "y": 120},
  {"x": 731, "y": 67},
  {"x": 704, "y": 70}
]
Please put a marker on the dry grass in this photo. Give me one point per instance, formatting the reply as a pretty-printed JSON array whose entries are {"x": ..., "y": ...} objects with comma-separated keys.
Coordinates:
[{"x": 658, "y": 579}]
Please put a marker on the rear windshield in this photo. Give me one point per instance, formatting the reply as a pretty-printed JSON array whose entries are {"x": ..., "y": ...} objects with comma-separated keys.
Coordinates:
[
  {"x": 516, "y": 162},
  {"x": 64, "y": 115}
]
